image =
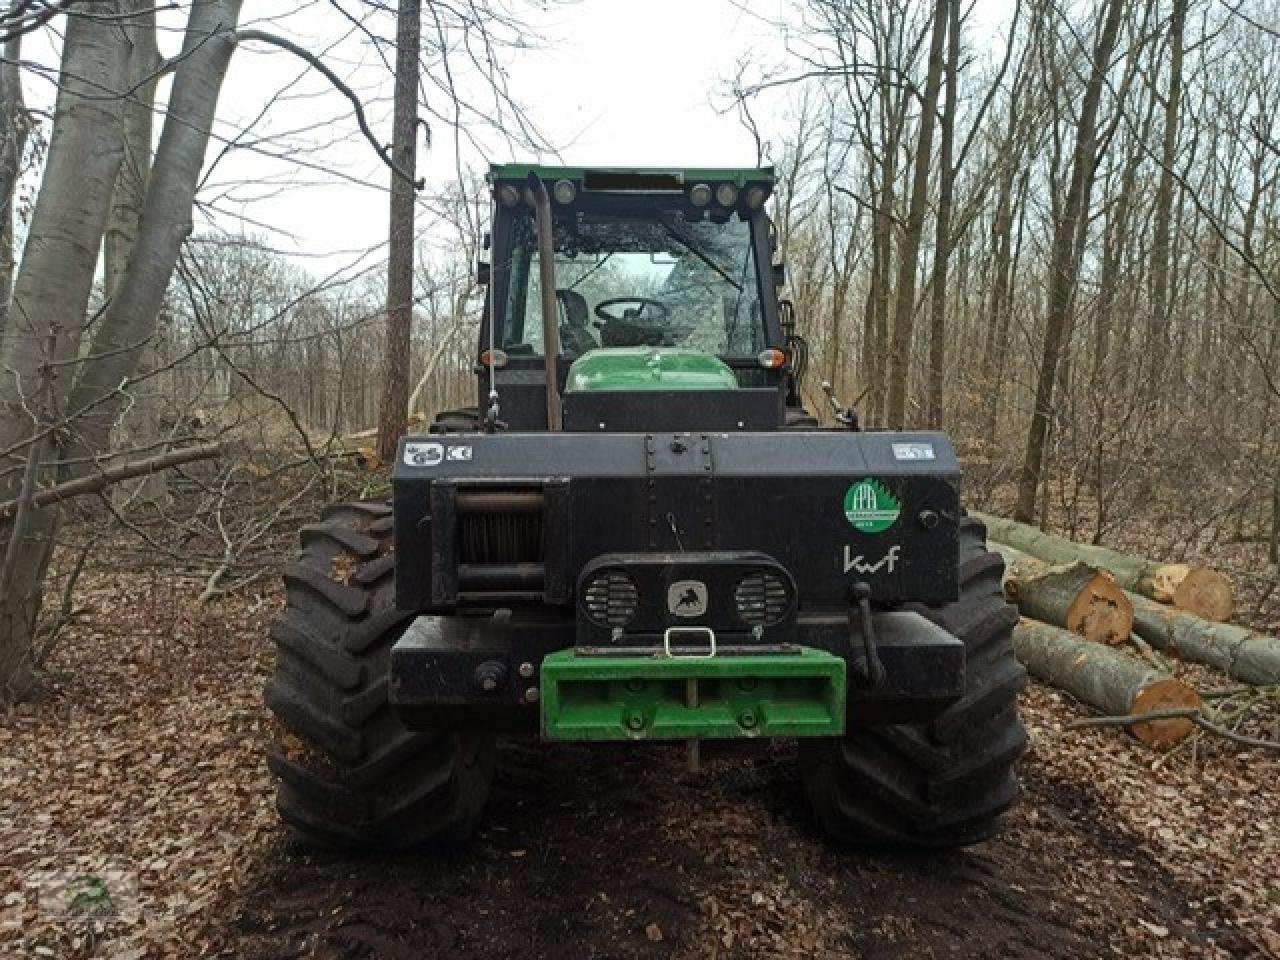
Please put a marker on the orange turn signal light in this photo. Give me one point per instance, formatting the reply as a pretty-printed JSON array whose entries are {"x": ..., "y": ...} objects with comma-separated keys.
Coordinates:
[
  {"x": 772, "y": 359},
  {"x": 493, "y": 358}
]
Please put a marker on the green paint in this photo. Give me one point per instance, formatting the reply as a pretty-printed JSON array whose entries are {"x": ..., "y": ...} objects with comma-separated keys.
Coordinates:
[
  {"x": 649, "y": 368},
  {"x": 870, "y": 507},
  {"x": 645, "y": 698},
  {"x": 739, "y": 176}
]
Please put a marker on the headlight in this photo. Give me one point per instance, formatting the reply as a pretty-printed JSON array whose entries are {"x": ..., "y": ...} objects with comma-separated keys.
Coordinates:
[
  {"x": 564, "y": 191},
  {"x": 700, "y": 195},
  {"x": 508, "y": 195},
  {"x": 726, "y": 194},
  {"x": 756, "y": 197}
]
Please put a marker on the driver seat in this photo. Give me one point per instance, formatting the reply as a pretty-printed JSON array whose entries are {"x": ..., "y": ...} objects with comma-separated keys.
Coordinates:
[{"x": 575, "y": 336}]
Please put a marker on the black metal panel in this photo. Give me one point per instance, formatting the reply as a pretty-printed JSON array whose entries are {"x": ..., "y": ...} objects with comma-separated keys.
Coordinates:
[
  {"x": 557, "y": 540},
  {"x": 436, "y": 669},
  {"x": 665, "y": 411},
  {"x": 778, "y": 493}
]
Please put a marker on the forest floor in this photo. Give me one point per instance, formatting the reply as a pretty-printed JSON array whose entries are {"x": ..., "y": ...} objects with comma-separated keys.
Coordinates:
[{"x": 145, "y": 758}]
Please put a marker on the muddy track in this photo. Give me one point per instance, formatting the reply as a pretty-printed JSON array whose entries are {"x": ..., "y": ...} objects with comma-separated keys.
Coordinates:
[{"x": 597, "y": 852}]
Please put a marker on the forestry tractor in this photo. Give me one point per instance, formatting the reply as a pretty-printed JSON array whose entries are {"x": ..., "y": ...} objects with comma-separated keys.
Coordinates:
[{"x": 639, "y": 534}]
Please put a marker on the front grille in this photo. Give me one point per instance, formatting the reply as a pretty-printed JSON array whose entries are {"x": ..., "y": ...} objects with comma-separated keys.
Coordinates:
[
  {"x": 761, "y": 598},
  {"x": 611, "y": 598}
]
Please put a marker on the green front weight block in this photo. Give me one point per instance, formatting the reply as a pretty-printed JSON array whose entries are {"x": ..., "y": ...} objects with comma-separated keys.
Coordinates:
[{"x": 683, "y": 698}]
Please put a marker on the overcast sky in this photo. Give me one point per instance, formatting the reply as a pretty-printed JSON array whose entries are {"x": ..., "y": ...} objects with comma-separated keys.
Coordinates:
[{"x": 608, "y": 82}]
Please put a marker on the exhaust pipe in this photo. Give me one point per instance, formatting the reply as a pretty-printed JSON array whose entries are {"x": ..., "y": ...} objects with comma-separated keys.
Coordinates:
[{"x": 547, "y": 281}]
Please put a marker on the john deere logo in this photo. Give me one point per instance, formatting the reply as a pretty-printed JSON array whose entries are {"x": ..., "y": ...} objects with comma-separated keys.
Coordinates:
[{"x": 870, "y": 507}]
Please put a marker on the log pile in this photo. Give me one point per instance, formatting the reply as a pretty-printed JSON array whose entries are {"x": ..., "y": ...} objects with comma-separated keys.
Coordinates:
[
  {"x": 1083, "y": 605},
  {"x": 1199, "y": 590}
]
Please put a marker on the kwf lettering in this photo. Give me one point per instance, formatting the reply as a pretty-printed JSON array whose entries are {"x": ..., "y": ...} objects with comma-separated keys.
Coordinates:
[{"x": 860, "y": 565}]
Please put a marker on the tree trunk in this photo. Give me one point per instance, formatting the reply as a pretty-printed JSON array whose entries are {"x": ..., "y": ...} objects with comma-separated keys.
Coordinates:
[
  {"x": 942, "y": 242},
  {"x": 1106, "y": 679},
  {"x": 126, "y": 214},
  {"x": 1076, "y": 597},
  {"x": 1064, "y": 264},
  {"x": 1241, "y": 654},
  {"x": 1197, "y": 590},
  {"x": 394, "y": 408},
  {"x": 130, "y": 318},
  {"x": 50, "y": 301},
  {"x": 14, "y": 128},
  {"x": 1158, "y": 319},
  {"x": 909, "y": 250}
]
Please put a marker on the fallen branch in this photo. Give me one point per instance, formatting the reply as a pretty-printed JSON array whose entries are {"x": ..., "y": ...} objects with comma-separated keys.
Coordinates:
[
  {"x": 1199, "y": 590},
  {"x": 1181, "y": 713},
  {"x": 109, "y": 475}
]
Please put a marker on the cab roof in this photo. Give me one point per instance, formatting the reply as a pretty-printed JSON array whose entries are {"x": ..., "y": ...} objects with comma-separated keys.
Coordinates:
[{"x": 605, "y": 178}]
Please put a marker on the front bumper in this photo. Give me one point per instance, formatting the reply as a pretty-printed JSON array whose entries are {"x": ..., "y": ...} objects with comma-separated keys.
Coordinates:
[
  {"x": 508, "y": 672},
  {"x": 585, "y": 697}
]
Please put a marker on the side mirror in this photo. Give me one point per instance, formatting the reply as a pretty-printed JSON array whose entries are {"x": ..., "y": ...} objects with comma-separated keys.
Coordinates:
[{"x": 482, "y": 273}]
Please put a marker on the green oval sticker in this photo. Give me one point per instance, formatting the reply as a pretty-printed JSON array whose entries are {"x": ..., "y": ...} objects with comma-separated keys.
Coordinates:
[{"x": 870, "y": 507}]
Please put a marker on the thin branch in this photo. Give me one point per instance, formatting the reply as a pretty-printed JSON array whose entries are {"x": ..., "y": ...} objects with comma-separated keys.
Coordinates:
[
  {"x": 105, "y": 478},
  {"x": 283, "y": 43}
]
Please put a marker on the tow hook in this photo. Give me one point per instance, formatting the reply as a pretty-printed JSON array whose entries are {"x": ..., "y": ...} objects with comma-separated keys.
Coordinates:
[{"x": 868, "y": 664}]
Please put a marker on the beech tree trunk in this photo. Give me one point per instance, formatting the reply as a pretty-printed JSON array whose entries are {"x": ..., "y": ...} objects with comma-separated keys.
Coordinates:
[
  {"x": 50, "y": 302},
  {"x": 130, "y": 318},
  {"x": 1076, "y": 597},
  {"x": 126, "y": 215},
  {"x": 1198, "y": 590},
  {"x": 1241, "y": 654},
  {"x": 51, "y": 294},
  {"x": 1106, "y": 679},
  {"x": 394, "y": 408}
]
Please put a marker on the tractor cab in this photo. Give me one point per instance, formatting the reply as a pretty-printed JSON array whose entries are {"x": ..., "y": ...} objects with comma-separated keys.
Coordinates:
[{"x": 663, "y": 284}]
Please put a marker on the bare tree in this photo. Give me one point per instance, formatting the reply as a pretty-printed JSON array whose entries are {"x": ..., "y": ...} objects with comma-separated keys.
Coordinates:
[
  {"x": 394, "y": 407},
  {"x": 1064, "y": 264}
]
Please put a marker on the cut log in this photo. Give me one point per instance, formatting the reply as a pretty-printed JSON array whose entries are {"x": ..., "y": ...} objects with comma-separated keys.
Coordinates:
[
  {"x": 1076, "y": 596},
  {"x": 1199, "y": 590},
  {"x": 1107, "y": 679},
  {"x": 1242, "y": 654}
]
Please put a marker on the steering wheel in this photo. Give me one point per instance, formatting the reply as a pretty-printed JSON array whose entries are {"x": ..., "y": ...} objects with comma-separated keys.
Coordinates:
[{"x": 632, "y": 315}]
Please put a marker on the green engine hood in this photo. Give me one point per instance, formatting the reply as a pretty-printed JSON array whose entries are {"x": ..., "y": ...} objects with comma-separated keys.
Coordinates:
[{"x": 649, "y": 368}]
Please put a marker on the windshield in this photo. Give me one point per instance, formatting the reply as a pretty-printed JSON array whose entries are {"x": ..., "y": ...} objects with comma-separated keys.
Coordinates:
[{"x": 624, "y": 282}]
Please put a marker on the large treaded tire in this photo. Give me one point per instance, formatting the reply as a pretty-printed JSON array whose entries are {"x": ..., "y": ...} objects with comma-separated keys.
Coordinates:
[
  {"x": 348, "y": 774},
  {"x": 944, "y": 783}
]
